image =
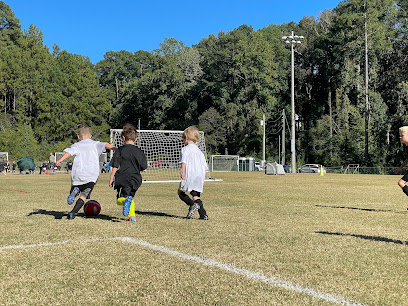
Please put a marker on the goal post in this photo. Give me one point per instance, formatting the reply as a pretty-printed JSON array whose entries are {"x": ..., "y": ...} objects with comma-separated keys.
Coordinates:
[
  {"x": 3, "y": 156},
  {"x": 224, "y": 163},
  {"x": 162, "y": 149}
]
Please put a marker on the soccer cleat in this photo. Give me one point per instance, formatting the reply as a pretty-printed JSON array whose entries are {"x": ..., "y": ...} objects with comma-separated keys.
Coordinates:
[
  {"x": 132, "y": 219},
  {"x": 126, "y": 206},
  {"x": 120, "y": 201},
  {"x": 191, "y": 211},
  {"x": 205, "y": 217},
  {"x": 70, "y": 216},
  {"x": 71, "y": 197}
]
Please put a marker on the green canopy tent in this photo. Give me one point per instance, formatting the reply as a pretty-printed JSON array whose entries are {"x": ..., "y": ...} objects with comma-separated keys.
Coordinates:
[{"x": 26, "y": 163}]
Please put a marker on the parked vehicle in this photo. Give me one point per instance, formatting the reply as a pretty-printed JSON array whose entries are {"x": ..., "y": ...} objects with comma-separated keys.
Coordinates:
[
  {"x": 311, "y": 168},
  {"x": 287, "y": 168},
  {"x": 258, "y": 166}
]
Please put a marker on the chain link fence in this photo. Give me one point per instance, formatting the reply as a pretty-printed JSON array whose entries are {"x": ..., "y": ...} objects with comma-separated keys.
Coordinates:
[{"x": 365, "y": 170}]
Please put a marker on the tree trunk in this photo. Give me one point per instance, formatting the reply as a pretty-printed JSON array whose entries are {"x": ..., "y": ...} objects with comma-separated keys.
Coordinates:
[{"x": 367, "y": 103}]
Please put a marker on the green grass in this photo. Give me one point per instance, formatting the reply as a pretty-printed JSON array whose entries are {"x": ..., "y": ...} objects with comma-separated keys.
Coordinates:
[{"x": 344, "y": 235}]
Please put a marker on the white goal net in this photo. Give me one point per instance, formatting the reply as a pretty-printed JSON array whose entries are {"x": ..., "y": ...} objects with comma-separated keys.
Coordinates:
[
  {"x": 3, "y": 156},
  {"x": 224, "y": 163},
  {"x": 162, "y": 150}
]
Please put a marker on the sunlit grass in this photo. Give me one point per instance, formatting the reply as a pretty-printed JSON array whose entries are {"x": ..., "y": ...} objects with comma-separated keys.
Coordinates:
[{"x": 345, "y": 235}]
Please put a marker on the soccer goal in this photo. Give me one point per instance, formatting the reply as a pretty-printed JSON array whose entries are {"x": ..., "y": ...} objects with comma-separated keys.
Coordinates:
[
  {"x": 162, "y": 150},
  {"x": 352, "y": 169},
  {"x": 3, "y": 156},
  {"x": 274, "y": 168},
  {"x": 224, "y": 163}
]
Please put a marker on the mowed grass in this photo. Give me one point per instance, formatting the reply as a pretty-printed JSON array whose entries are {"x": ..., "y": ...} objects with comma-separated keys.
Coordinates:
[{"x": 343, "y": 235}]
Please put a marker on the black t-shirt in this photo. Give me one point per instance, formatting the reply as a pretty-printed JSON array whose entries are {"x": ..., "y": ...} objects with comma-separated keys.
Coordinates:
[{"x": 130, "y": 161}]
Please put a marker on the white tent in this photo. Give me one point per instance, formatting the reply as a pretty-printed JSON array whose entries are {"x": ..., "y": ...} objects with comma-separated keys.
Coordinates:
[{"x": 274, "y": 168}]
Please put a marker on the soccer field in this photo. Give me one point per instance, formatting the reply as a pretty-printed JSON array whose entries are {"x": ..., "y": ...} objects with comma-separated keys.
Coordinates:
[{"x": 298, "y": 239}]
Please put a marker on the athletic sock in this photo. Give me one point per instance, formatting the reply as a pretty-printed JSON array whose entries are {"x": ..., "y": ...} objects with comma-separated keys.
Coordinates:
[
  {"x": 201, "y": 210},
  {"x": 186, "y": 199},
  {"x": 120, "y": 201},
  {"x": 78, "y": 205},
  {"x": 405, "y": 189},
  {"x": 132, "y": 209}
]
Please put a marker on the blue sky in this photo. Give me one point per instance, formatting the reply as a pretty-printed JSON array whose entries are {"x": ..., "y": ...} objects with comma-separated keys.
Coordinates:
[{"x": 91, "y": 27}]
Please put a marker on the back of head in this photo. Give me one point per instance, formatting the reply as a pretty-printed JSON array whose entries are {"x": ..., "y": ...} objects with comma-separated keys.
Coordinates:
[
  {"x": 84, "y": 132},
  {"x": 192, "y": 133},
  {"x": 129, "y": 132}
]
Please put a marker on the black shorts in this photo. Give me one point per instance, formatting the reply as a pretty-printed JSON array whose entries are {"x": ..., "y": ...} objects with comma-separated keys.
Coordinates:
[
  {"x": 405, "y": 177},
  {"x": 85, "y": 189},
  {"x": 124, "y": 192}
]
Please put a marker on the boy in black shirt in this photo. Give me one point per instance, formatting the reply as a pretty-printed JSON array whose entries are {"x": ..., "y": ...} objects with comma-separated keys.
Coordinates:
[{"x": 127, "y": 163}]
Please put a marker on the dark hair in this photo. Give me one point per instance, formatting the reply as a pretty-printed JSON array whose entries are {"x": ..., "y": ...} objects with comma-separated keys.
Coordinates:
[{"x": 129, "y": 132}]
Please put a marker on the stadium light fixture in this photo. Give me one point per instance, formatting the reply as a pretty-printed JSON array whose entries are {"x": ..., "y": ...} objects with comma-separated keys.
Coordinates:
[{"x": 293, "y": 40}]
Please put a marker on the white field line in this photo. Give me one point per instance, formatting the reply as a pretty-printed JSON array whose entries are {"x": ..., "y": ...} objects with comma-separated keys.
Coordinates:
[
  {"x": 26, "y": 246},
  {"x": 250, "y": 274},
  {"x": 257, "y": 276}
]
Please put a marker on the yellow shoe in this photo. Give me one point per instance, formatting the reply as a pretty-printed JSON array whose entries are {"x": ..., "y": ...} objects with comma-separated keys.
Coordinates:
[{"x": 120, "y": 201}]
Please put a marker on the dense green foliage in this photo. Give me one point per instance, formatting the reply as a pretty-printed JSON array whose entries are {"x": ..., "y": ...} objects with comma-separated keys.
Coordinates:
[{"x": 351, "y": 91}]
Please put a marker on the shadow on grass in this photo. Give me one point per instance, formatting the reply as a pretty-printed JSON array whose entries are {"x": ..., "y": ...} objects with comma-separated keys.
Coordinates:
[
  {"x": 363, "y": 209},
  {"x": 157, "y": 214},
  {"x": 60, "y": 215},
  {"x": 366, "y": 237}
]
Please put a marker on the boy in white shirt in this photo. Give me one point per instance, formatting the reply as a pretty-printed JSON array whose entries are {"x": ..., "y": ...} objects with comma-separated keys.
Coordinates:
[
  {"x": 85, "y": 169},
  {"x": 193, "y": 169}
]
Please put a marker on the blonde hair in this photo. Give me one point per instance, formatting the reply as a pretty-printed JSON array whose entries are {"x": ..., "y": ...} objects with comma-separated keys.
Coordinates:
[
  {"x": 84, "y": 131},
  {"x": 192, "y": 134},
  {"x": 403, "y": 130}
]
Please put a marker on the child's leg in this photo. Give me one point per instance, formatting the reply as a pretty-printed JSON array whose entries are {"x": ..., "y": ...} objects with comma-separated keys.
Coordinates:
[
  {"x": 72, "y": 195},
  {"x": 86, "y": 191},
  {"x": 120, "y": 201},
  {"x": 201, "y": 210},
  {"x": 78, "y": 205},
  {"x": 402, "y": 183},
  {"x": 132, "y": 209},
  {"x": 125, "y": 197},
  {"x": 126, "y": 206},
  {"x": 185, "y": 198},
  {"x": 195, "y": 206}
]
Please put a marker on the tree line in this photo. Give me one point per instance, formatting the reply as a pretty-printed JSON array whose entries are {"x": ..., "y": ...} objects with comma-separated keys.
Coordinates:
[{"x": 351, "y": 87}]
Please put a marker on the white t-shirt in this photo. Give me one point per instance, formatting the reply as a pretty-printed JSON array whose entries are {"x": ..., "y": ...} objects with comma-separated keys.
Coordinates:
[
  {"x": 85, "y": 168},
  {"x": 196, "y": 167}
]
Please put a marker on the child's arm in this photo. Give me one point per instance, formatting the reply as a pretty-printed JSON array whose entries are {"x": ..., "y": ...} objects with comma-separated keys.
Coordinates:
[
  {"x": 114, "y": 169},
  {"x": 64, "y": 157},
  {"x": 143, "y": 163},
  {"x": 110, "y": 147},
  {"x": 398, "y": 170},
  {"x": 183, "y": 171}
]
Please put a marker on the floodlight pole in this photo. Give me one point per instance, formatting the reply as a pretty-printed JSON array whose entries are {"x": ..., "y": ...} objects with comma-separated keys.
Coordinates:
[
  {"x": 293, "y": 139},
  {"x": 263, "y": 143},
  {"x": 283, "y": 137},
  {"x": 292, "y": 40}
]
